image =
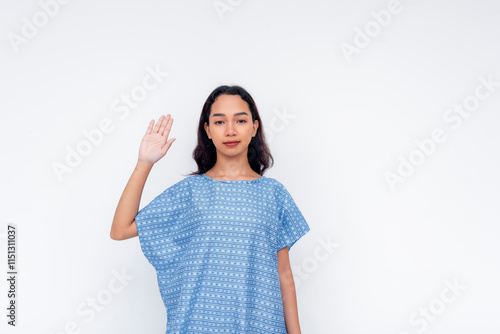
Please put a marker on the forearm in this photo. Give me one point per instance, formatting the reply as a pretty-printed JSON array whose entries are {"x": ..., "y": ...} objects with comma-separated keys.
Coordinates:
[
  {"x": 128, "y": 206},
  {"x": 289, "y": 298}
]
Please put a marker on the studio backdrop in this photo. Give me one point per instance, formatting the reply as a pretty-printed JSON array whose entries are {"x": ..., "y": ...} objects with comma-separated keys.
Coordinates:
[{"x": 382, "y": 118}]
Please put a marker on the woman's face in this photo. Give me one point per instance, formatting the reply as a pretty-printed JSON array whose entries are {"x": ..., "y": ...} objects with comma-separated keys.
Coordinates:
[{"x": 231, "y": 121}]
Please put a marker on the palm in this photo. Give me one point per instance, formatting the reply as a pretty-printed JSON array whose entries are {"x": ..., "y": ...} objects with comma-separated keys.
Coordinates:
[{"x": 155, "y": 143}]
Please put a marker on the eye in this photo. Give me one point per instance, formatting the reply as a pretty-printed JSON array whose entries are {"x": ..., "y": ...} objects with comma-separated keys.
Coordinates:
[
  {"x": 242, "y": 120},
  {"x": 217, "y": 122}
]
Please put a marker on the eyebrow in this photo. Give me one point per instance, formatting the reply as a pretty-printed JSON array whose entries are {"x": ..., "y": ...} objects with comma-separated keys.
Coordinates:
[{"x": 237, "y": 114}]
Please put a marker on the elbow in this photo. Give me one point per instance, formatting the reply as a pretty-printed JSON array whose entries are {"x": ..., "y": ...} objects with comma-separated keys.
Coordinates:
[
  {"x": 123, "y": 231},
  {"x": 115, "y": 236}
]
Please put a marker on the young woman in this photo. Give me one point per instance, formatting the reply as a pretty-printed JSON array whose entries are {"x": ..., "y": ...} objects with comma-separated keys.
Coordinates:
[{"x": 218, "y": 239}]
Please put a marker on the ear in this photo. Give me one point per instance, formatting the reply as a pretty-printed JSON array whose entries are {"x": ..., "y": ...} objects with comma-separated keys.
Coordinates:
[
  {"x": 255, "y": 127},
  {"x": 207, "y": 130}
]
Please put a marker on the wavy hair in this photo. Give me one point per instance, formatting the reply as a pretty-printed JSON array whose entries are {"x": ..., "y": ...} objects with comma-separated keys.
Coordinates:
[{"x": 205, "y": 153}]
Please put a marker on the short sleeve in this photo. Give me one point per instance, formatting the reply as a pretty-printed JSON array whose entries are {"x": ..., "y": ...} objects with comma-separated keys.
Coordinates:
[
  {"x": 292, "y": 225},
  {"x": 158, "y": 221}
]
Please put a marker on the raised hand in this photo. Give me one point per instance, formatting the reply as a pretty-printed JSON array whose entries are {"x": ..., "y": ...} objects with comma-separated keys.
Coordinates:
[{"x": 154, "y": 144}]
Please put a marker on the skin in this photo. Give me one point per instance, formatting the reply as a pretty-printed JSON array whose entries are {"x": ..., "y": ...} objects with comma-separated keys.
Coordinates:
[
  {"x": 230, "y": 120},
  {"x": 288, "y": 294},
  {"x": 154, "y": 146}
]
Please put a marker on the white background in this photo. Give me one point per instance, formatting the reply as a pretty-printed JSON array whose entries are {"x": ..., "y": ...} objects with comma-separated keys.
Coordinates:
[{"x": 352, "y": 119}]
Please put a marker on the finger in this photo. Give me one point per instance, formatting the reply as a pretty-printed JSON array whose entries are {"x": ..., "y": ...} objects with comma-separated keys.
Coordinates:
[
  {"x": 164, "y": 124},
  {"x": 167, "y": 128},
  {"x": 150, "y": 127},
  {"x": 157, "y": 127}
]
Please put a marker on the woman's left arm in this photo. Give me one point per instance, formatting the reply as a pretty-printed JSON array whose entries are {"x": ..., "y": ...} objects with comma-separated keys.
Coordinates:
[{"x": 288, "y": 292}]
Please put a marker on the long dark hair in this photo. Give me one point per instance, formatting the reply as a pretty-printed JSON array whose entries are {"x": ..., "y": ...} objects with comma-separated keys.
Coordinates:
[{"x": 205, "y": 154}]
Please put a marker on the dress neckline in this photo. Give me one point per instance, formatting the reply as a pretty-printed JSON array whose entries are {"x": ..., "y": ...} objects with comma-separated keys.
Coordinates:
[{"x": 239, "y": 181}]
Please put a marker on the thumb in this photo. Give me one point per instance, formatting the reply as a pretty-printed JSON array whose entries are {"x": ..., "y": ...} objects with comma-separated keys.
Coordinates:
[{"x": 167, "y": 145}]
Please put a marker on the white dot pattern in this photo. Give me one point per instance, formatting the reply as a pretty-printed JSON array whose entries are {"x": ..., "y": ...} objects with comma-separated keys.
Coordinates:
[{"x": 213, "y": 244}]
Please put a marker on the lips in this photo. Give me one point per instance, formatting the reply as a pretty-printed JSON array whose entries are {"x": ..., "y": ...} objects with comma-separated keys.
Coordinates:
[{"x": 231, "y": 143}]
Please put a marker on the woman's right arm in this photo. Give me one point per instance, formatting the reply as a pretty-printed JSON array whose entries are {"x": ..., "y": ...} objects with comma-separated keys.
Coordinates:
[{"x": 154, "y": 146}]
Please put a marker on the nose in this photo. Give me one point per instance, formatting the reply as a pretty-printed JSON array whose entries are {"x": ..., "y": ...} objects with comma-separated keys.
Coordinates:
[{"x": 230, "y": 129}]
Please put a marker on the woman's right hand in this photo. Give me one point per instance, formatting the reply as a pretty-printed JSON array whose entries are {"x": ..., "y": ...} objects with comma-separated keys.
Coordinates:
[{"x": 154, "y": 144}]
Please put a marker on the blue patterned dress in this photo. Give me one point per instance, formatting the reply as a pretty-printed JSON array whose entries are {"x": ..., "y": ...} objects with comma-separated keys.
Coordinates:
[{"x": 213, "y": 244}]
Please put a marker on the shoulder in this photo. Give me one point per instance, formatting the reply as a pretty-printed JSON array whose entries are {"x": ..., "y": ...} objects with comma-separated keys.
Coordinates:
[
  {"x": 280, "y": 191},
  {"x": 188, "y": 180},
  {"x": 276, "y": 183},
  {"x": 195, "y": 181},
  {"x": 180, "y": 187}
]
